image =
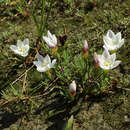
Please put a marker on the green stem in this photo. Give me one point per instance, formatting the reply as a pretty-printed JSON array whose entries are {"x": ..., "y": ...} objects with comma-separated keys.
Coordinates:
[
  {"x": 48, "y": 14},
  {"x": 42, "y": 18},
  {"x": 35, "y": 21}
]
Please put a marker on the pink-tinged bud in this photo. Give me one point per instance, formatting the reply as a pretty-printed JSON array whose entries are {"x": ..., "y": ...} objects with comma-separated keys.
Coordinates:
[
  {"x": 85, "y": 45},
  {"x": 96, "y": 61},
  {"x": 72, "y": 89},
  {"x": 85, "y": 49}
]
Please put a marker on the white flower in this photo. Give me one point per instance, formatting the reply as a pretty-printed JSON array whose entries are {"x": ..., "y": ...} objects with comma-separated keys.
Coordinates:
[
  {"x": 107, "y": 61},
  {"x": 113, "y": 41},
  {"x": 44, "y": 63},
  {"x": 51, "y": 40},
  {"x": 22, "y": 48},
  {"x": 72, "y": 89}
]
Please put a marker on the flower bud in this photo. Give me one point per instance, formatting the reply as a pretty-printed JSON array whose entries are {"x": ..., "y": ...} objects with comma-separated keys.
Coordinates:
[
  {"x": 72, "y": 89},
  {"x": 96, "y": 62},
  {"x": 85, "y": 49}
]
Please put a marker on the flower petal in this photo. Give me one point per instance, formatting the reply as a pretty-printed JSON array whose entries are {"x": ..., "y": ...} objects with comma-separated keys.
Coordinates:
[
  {"x": 110, "y": 34},
  {"x": 37, "y": 63},
  {"x": 19, "y": 43},
  {"x": 72, "y": 86},
  {"x": 26, "y": 41},
  {"x": 26, "y": 48},
  {"x": 118, "y": 36},
  {"x": 105, "y": 54},
  {"x": 47, "y": 59},
  {"x": 13, "y": 47},
  {"x": 85, "y": 45},
  {"x": 116, "y": 63},
  {"x": 99, "y": 57},
  {"x": 107, "y": 40},
  {"x": 49, "y": 34},
  {"x": 55, "y": 39},
  {"x": 39, "y": 57},
  {"x": 113, "y": 57},
  {"x": 53, "y": 63},
  {"x": 121, "y": 43},
  {"x": 24, "y": 54},
  {"x": 96, "y": 59},
  {"x": 48, "y": 41},
  {"x": 42, "y": 69}
]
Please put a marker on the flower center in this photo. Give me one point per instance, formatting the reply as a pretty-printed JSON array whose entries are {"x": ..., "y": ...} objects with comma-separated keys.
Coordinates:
[
  {"x": 106, "y": 63},
  {"x": 22, "y": 49},
  {"x": 44, "y": 64},
  {"x": 113, "y": 42}
]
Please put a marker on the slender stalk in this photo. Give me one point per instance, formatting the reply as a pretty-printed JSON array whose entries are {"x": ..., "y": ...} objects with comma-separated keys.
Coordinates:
[
  {"x": 35, "y": 18},
  {"x": 42, "y": 18},
  {"x": 48, "y": 14},
  {"x": 41, "y": 26},
  {"x": 35, "y": 21}
]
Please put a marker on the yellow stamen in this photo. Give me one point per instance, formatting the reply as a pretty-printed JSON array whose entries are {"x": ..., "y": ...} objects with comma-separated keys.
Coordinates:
[
  {"x": 44, "y": 64},
  {"x": 113, "y": 51},
  {"x": 106, "y": 63},
  {"x": 22, "y": 49}
]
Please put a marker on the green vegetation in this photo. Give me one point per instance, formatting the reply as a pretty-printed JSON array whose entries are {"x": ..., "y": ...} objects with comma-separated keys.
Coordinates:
[{"x": 42, "y": 101}]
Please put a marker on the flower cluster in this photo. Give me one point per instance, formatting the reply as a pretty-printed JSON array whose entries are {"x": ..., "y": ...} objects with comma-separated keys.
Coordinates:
[
  {"x": 112, "y": 42},
  {"x": 106, "y": 61},
  {"x": 43, "y": 63}
]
